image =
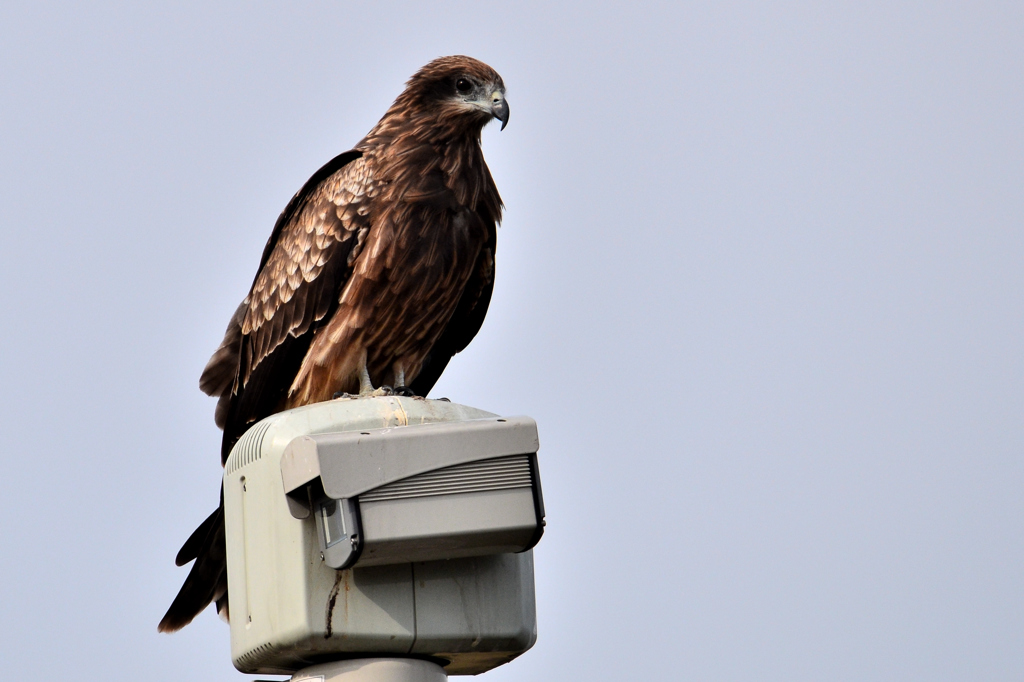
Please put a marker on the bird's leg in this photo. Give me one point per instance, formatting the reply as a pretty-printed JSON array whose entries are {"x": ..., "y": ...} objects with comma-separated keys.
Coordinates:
[
  {"x": 400, "y": 387},
  {"x": 365, "y": 385}
]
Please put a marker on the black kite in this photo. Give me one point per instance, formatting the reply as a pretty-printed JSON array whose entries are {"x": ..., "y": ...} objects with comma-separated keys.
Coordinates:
[{"x": 377, "y": 272}]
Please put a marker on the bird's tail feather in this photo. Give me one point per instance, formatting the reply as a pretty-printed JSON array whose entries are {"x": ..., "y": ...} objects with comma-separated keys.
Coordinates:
[
  {"x": 207, "y": 581},
  {"x": 193, "y": 546}
]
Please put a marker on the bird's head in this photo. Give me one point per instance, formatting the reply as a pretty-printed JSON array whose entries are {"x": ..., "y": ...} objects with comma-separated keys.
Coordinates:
[{"x": 460, "y": 90}]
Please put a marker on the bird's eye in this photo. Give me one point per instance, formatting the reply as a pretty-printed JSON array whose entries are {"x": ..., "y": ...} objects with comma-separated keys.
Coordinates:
[{"x": 463, "y": 85}]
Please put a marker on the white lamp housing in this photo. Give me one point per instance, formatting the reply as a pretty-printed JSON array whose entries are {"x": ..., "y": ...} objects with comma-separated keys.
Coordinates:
[{"x": 382, "y": 527}]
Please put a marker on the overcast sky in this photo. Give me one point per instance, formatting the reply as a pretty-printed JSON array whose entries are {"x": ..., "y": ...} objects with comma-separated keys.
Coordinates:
[{"x": 759, "y": 281}]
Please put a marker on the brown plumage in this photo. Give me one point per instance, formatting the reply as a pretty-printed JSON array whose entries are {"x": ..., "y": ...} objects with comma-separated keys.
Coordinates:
[{"x": 377, "y": 272}]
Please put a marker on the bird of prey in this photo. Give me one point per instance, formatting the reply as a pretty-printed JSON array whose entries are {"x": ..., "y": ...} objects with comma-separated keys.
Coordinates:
[{"x": 377, "y": 272}]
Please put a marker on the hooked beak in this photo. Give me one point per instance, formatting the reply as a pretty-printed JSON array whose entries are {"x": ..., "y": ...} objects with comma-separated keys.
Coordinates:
[{"x": 499, "y": 107}]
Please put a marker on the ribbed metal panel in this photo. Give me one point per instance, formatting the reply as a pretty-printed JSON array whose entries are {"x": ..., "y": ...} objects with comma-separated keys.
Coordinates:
[{"x": 501, "y": 473}]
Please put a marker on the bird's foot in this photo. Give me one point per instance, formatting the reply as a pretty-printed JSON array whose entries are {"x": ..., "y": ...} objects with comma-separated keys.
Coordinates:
[
  {"x": 341, "y": 394},
  {"x": 383, "y": 390},
  {"x": 405, "y": 392}
]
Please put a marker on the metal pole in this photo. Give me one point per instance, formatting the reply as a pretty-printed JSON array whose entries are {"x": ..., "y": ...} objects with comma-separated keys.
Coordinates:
[{"x": 373, "y": 670}]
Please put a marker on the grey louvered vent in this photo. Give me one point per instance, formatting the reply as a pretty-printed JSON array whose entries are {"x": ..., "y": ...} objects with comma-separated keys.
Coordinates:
[
  {"x": 254, "y": 657},
  {"x": 503, "y": 473},
  {"x": 249, "y": 447}
]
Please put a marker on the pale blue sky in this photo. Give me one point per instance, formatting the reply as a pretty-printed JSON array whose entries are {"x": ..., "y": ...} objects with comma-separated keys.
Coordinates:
[{"x": 760, "y": 282}]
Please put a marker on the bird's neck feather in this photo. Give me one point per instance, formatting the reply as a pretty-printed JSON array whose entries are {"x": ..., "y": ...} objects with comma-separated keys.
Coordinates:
[{"x": 435, "y": 145}]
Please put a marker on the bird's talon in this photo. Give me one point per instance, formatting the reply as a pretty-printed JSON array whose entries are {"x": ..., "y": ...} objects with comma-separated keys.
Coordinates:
[{"x": 405, "y": 392}]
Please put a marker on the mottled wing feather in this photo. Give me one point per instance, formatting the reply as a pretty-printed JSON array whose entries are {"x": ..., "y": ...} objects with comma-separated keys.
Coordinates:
[
  {"x": 297, "y": 201},
  {"x": 221, "y": 372},
  {"x": 297, "y": 286},
  {"x": 304, "y": 265},
  {"x": 218, "y": 376},
  {"x": 296, "y": 289},
  {"x": 266, "y": 391}
]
